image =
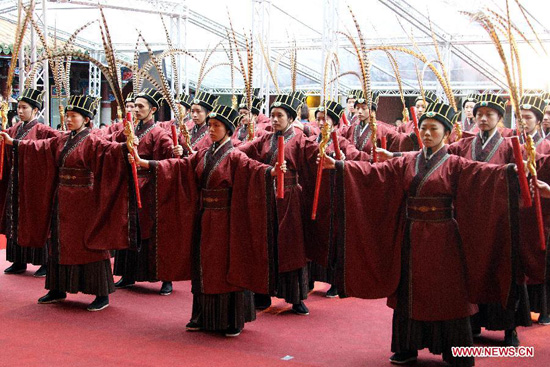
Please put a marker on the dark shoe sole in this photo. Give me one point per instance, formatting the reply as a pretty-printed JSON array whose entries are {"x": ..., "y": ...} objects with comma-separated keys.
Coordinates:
[
  {"x": 405, "y": 361},
  {"x": 51, "y": 301},
  {"x": 15, "y": 272},
  {"x": 232, "y": 335},
  {"x": 98, "y": 309}
]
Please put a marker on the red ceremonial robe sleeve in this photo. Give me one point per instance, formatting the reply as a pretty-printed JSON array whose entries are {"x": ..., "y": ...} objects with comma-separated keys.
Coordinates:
[
  {"x": 37, "y": 172},
  {"x": 177, "y": 215},
  {"x": 486, "y": 208},
  {"x": 369, "y": 201},
  {"x": 251, "y": 224},
  {"x": 112, "y": 223}
]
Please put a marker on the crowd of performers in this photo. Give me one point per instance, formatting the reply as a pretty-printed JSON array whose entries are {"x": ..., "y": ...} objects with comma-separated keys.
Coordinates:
[{"x": 437, "y": 228}]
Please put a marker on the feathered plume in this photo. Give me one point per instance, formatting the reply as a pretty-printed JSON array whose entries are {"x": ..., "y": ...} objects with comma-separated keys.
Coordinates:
[{"x": 167, "y": 94}]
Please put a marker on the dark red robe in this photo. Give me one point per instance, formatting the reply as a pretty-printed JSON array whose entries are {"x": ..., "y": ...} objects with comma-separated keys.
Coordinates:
[
  {"x": 221, "y": 201},
  {"x": 473, "y": 256},
  {"x": 290, "y": 210},
  {"x": 86, "y": 181},
  {"x": 361, "y": 137}
]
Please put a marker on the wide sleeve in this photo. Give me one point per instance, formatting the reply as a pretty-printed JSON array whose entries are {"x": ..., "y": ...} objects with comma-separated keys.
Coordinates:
[
  {"x": 253, "y": 149},
  {"x": 351, "y": 152},
  {"x": 370, "y": 221},
  {"x": 251, "y": 225},
  {"x": 177, "y": 216},
  {"x": 36, "y": 172},
  {"x": 113, "y": 219},
  {"x": 486, "y": 208}
]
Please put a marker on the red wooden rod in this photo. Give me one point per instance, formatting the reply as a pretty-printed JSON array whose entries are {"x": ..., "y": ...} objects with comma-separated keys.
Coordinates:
[
  {"x": 416, "y": 131},
  {"x": 336, "y": 145},
  {"x": 523, "y": 185},
  {"x": 280, "y": 174}
]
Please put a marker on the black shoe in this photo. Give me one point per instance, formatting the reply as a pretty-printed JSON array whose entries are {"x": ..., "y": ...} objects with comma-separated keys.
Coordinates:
[
  {"x": 16, "y": 268},
  {"x": 192, "y": 326},
  {"x": 332, "y": 292},
  {"x": 511, "y": 338},
  {"x": 123, "y": 283},
  {"x": 300, "y": 309},
  {"x": 311, "y": 285},
  {"x": 166, "y": 289},
  {"x": 476, "y": 332},
  {"x": 262, "y": 301},
  {"x": 544, "y": 319},
  {"x": 52, "y": 297},
  {"x": 231, "y": 332},
  {"x": 404, "y": 357},
  {"x": 99, "y": 303},
  {"x": 41, "y": 272}
]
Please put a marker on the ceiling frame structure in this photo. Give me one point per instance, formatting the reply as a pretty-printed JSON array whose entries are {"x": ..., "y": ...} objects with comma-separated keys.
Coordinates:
[{"x": 180, "y": 15}]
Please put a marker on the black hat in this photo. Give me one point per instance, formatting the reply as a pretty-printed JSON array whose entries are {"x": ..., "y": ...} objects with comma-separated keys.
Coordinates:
[
  {"x": 546, "y": 98},
  {"x": 534, "y": 104},
  {"x": 256, "y": 105},
  {"x": 441, "y": 112},
  {"x": 205, "y": 100},
  {"x": 152, "y": 95},
  {"x": 33, "y": 97},
  {"x": 353, "y": 94},
  {"x": 472, "y": 97},
  {"x": 492, "y": 101},
  {"x": 226, "y": 115},
  {"x": 130, "y": 97},
  {"x": 299, "y": 95},
  {"x": 85, "y": 105},
  {"x": 288, "y": 103},
  {"x": 333, "y": 109},
  {"x": 429, "y": 96},
  {"x": 184, "y": 100},
  {"x": 374, "y": 101}
]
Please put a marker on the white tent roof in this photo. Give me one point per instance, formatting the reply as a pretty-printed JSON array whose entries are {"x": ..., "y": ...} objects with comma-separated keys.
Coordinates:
[{"x": 473, "y": 62}]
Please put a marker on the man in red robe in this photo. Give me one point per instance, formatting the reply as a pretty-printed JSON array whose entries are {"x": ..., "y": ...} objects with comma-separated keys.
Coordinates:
[
  {"x": 154, "y": 143},
  {"x": 28, "y": 128}
]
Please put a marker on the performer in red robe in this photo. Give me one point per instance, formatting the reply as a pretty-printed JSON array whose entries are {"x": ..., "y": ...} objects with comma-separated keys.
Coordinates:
[
  {"x": 28, "y": 128},
  {"x": 202, "y": 105},
  {"x": 420, "y": 105},
  {"x": 360, "y": 133},
  {"x": 84, "y": 204},
  {"x": 154, "y": 143},
  {"x": 130, "y": 104},
  {"x": 288, "y": 279},
  {"x": 226, "y": 254},
  {"x": 185, "y": 102},
  {"x": 489, "y": 146},
  {"x": 469, "y": 123},
  {"x": 532, "y": 108},
  {"x": 396, "y": 217},
  {"x": 241, "y": 133},
  {"x": 321, "y": 233}
]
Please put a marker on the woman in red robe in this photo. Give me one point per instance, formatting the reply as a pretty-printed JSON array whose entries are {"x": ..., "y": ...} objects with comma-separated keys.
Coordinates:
[
  {"x": 84, "y": 204},
  {"x": 321, "y": 233},
  {"x": 398, "y": 216},
  {"x": 288, "y": 263},
  {"x": 220, "y": 239},
  {"x": 489, "y": 145},
  {"x": 28, "y": 128},
  {"x": 360, "y": 133}
]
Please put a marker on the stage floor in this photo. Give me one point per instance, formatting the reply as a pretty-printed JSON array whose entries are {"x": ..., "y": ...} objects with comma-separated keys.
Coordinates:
[{"x": 142, "y": 328}]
